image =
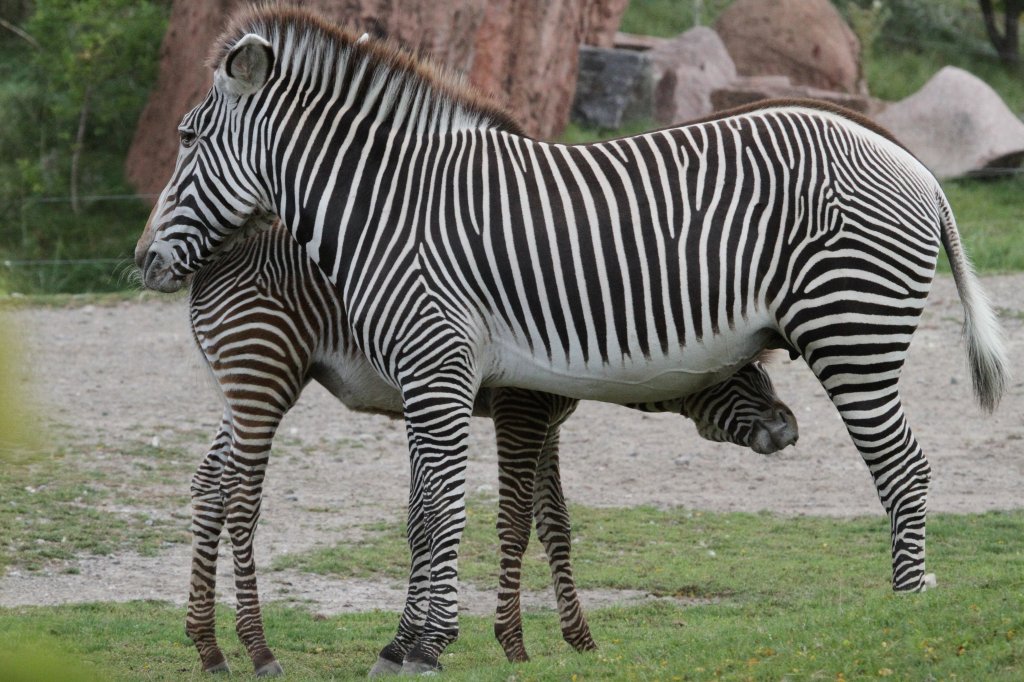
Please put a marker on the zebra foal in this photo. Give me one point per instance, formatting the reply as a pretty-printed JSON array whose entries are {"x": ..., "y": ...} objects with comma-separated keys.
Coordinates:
[
  {"x": 634, "y": 270},
  {"x": 268, "y": 321}
]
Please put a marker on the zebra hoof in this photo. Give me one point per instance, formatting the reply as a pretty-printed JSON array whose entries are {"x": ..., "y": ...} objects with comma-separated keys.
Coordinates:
[
  {"x": 385, "y": 667},
  {"x": 929, "y": 582},
  {"x": 272, "y": 669},
  {"x": 221, "y": 667},
  {"x": 420, "y": 668}
]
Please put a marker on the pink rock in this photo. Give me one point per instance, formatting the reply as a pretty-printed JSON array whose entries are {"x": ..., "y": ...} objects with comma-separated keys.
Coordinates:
[
  {"x": 686, "y": 70},
  {"x": 957, "y": 125},
  {"x": 806, "y": 40}
]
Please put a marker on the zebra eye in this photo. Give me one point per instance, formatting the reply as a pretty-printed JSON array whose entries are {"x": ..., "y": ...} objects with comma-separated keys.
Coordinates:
[{"x": 188, "y": 138}]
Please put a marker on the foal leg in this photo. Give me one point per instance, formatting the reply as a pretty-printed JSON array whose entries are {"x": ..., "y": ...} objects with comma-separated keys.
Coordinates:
[
  {"x": 527, "y": 425},
  {"x": 206, "y": 526},
  {"x": 553, "y": 529},
  {"x": 242, "y": 489},
  {"x": 521, "y": 423}
]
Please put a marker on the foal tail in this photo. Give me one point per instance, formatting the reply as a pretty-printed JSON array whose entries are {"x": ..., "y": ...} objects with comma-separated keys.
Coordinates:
[{"x": 985, "y": 348}]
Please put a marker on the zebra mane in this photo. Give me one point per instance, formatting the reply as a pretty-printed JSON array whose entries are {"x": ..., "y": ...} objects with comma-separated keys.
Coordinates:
[{"x": 313, "y": 46}]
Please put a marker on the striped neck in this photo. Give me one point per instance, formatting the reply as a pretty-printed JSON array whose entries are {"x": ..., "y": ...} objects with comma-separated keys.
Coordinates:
[{"x": 315, "y": 58}]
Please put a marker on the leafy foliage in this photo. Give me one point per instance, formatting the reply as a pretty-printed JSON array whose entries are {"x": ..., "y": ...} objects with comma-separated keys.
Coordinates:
[
  {"x": 100, "y": 54},
  {"x": 78, "y": 93}
]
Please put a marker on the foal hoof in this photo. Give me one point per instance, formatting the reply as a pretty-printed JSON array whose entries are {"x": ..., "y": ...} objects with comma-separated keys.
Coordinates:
[
  {"x": 221, "y": 667},
  {"x": 272, "y": 669},
  {"x": 385, "y": 667}
]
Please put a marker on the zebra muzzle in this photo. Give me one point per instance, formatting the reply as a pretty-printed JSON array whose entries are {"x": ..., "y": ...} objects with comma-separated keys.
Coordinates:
[
  {"x": 156, "y": 270},
  {"x": 775, "y": 432}
]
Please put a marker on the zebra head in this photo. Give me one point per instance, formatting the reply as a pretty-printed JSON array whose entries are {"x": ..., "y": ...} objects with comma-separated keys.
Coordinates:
[
  {"x": 744, "y": 410},
  {"x": 215, "y": 188}
]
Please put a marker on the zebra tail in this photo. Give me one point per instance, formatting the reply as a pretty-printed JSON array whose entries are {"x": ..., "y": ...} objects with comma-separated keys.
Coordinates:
[{"x": 986, "y": 350}]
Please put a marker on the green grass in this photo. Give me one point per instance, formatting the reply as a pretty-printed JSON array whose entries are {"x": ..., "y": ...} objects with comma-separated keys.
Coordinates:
[
  {"x": 990, "y": 217},
  {"x": 103, "y": 237},
  {"x": 55, "y": 506},
  {"x": 800, "y": 598},
  {"x": 672, "y": 553},
  {"x": 667, "y": 18}
]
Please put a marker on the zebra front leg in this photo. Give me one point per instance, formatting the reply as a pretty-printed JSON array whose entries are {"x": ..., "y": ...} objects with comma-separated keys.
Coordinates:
[
  {"x": 242, "y": 488},
  {"x": 207, "y": 523},
  {"x": 553, "y": 530},
  {"x": 438, "y": 398}
]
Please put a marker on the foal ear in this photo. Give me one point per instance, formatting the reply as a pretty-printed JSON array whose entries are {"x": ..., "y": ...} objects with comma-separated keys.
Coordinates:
[{"x": 247, "y": 66}]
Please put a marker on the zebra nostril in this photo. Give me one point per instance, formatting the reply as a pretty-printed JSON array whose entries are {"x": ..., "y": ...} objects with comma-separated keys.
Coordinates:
[{"x": 151, "y": 257}]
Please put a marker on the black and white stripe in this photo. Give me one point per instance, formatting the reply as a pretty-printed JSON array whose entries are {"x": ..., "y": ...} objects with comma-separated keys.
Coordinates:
[
  {"x": 634, "y": 270},
  {"x": 268, "y": 321}
]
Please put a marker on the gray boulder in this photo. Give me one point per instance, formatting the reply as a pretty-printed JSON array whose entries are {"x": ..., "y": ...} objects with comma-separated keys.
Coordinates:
[
  {"x": 686, "y": 70},
  {"x": 613, "y": 87},
  {"x": 957, "y": 125}
]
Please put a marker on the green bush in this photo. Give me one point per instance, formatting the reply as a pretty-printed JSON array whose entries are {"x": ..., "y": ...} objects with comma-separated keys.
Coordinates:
[{"x": 74, "y": 99}]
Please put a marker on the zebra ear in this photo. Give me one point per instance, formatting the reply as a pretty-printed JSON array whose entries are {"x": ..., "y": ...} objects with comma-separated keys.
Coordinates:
[{"x": 247, "y": 66}]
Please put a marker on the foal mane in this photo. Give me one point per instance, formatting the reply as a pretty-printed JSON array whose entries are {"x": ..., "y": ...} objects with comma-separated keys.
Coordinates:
[{"x": 320, "y": 44}]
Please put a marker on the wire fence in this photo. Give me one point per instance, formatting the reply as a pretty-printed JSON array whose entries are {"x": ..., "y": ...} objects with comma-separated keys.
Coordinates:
[{"x": 12, "y": 263}]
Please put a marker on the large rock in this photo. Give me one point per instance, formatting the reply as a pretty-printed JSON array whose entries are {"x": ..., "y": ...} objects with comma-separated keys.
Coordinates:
[
  {"x": 613, "y": 87},
  {"x": 756, "y": 88},
  {"x": 686, "y": 70},
  {"x": 957, "y": 125},
  {"x": 527, "y": 51},
  {"x": 524, "y": 52},
  {"x": 806, "y": 40},
  {"x": 602, "y": 22}
]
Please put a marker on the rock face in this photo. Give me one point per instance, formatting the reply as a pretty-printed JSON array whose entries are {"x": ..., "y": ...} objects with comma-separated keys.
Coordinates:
[
  {"x": 523, "y": 52},
  {"x": 613, "y": 87},
  {"x": 182, "y": 82},
  {"x": 526, "y": 54},
  {"x": 754, "y": 88},
  {"x": 687, "y": 69},
  {"x": 957, "y": 125},
  {"x": 806, "y": 40},
  {"x": 602, "y": 21}
]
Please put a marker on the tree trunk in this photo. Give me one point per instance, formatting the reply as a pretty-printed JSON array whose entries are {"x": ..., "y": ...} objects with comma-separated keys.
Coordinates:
[
  {"x": 1007, "y": 43},
  {"x": 521, "y": 51},
  {"x": 76, "y": 151}
]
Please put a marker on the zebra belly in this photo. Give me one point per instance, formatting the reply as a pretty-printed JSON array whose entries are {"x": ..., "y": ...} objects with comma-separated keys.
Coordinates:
[
  {"x": 354, "y": 382},
  {"x": 350, "y": 378},
  {"x": 678, "y": 373}
]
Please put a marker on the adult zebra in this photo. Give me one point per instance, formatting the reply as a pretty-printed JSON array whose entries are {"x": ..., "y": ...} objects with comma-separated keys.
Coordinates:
[
  {"x": 631, "y": 270},
  {"x": 268, "y": 321}
]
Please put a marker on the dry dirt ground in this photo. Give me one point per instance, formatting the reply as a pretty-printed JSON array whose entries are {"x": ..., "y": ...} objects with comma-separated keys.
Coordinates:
[{"x": 127, "y": 373}]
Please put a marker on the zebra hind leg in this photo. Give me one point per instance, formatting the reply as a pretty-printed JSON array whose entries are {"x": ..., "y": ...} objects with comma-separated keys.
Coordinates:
[
  {"x": 901, "y": 474},
  {"x": 207, "y": 523},
  {"x": 870, "y": 406}
]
